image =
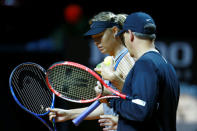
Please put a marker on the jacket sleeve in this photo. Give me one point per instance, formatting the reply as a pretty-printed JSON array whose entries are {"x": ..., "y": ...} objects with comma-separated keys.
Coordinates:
[{"x": 141, "y": 85}]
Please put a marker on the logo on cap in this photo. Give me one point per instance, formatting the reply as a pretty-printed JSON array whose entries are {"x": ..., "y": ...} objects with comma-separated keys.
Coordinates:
[{"x": 148, "y": 19}]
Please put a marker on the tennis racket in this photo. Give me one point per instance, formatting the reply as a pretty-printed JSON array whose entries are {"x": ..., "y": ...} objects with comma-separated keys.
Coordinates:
[
  {"x": 75, "y": 82},
  {"x": 29, "y": 90}
]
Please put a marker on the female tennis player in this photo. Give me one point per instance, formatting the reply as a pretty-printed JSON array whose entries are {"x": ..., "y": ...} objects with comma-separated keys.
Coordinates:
[{"x": 103, "y": 29}]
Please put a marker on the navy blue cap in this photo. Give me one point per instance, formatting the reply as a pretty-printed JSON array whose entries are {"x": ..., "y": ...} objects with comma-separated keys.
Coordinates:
[
  {"x": 139, "y": 22},
  {"x": 99, "y": 26}
]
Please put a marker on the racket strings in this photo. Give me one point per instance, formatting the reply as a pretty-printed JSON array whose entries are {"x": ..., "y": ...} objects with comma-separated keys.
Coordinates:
[
  {"x": 41, "y": 93},
  {"x": 45, "y": 96},
  {"x": 70, "y": 80},
  {"x": 25, "y": 100},
  {"x": 28, "y": 82},
  {"x": 18, "y": 92}
]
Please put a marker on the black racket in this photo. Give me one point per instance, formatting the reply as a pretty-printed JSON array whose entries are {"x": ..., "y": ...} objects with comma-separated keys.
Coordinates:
[{"x": 30, "y": 91}]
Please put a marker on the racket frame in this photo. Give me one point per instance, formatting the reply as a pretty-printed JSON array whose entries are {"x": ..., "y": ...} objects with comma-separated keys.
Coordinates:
[
  {"x": 24, "y": 108},
  {"x": 69, "y": 63}
]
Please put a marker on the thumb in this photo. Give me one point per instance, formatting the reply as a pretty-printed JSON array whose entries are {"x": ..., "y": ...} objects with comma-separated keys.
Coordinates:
[
  {"x": 99, "y": 85},
  {"x": 98, "y": 70},
  {"x": 52, "y": 110},
  {"x": 98, "y": 89}
]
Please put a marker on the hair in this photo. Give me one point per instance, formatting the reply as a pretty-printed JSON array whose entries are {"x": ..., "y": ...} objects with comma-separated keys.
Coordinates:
[
  {"x": 145, "y": 36},
  {"x": 111, "y": 17},
  {"x": 150, "y": 30}
]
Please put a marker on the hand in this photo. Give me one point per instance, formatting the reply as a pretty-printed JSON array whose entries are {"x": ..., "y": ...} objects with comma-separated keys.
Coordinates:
[
  {"x": 98, "y": 68},
  {"x": 107, "y": 70},
  {"x": 109, "y": 121},
  {"x": 108, "y": 73},
  {"x": 60, "y": 115},
  {"x": 108, "y": 63},
  {"x": 99, "y": 89},
  {"x": 117, "y": 80}
]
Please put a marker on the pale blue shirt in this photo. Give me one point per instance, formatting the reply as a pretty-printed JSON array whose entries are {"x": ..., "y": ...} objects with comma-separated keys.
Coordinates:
[{"x": 118, "y": 58}]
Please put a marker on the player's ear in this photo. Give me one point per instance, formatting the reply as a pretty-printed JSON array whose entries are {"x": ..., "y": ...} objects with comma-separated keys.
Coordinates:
[
  {"x": 131, "y": 35},
  {"x": 115, "y": 30}
]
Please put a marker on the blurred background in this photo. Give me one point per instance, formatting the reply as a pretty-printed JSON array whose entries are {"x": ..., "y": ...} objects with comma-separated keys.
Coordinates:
[{"x": 47, "y": 31}]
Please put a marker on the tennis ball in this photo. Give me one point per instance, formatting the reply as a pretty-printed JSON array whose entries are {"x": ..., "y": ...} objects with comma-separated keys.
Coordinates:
[{"x": 107, "y": 60}]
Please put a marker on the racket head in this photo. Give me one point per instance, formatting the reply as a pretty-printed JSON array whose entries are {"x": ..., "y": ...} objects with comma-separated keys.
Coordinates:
[
  {"x": 73, "y": 82},
  {"x": 29, "y": 89}
]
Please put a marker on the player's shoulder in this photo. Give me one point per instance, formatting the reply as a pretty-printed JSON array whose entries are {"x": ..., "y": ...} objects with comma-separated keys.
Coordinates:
[
  {"x": 127, "y": 61},
  {"x": 154, "y": 60},
  {"x": 151, "y": 56},
  {"x": 148, "y": 59},
  {"x": 127, "y": 58}
]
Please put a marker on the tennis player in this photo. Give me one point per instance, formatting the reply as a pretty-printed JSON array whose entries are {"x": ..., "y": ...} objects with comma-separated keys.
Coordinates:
[
  {"x": 103, "y": 29},
  {"x": 152, "y": 82}
]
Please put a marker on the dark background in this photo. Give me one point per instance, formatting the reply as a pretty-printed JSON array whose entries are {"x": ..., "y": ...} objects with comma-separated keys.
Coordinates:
[{"x": 29, "y": 21}]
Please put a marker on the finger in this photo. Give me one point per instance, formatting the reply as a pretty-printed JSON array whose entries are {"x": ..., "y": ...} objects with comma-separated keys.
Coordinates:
[
  {"x": 97, "y": 69},
  {"x": 106, "y": 124},
  {"x": 103, "y": 120},
  {"x": 47, "y": 109},
  {"x": 106, "y": 116},
  {"x": 99, "y": 85},
  {"x": 111, "y": 118},
  {"x": 97, "y": 90},
  {"x": 108, "y": 128},
  {"x": 51, "y": 117},
  {"x": 52, "y": 113},
  {"x": 103, "y": 100},
  {"x": 52, "y": 110}
]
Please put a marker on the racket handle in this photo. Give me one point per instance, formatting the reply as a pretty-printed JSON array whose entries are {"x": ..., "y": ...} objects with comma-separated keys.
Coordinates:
[
  {"x": 54, "y": 126},
  {"x": 85, "y": 113}
]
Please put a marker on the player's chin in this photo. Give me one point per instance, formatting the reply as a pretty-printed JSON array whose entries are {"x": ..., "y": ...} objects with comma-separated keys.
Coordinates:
[{"x": 103, "y": 51}]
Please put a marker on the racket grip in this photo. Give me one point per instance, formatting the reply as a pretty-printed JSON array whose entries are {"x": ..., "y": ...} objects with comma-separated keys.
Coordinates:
[
  {"x": 54, "y": 126},
  {"x": 85, "y": 113}
]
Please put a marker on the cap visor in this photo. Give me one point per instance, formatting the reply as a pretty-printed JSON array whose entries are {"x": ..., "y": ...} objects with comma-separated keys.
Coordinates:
[
  {"x": 94, "y": 31},
  {"x": 120, "y": 32}
]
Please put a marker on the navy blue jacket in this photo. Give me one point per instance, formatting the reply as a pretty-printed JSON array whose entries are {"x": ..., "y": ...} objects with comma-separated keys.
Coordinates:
[{"x": 153, "y": 85}]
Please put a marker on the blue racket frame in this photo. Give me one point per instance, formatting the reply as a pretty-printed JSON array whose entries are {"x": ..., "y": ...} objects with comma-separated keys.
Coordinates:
[{"x": 17, "y": 101}]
